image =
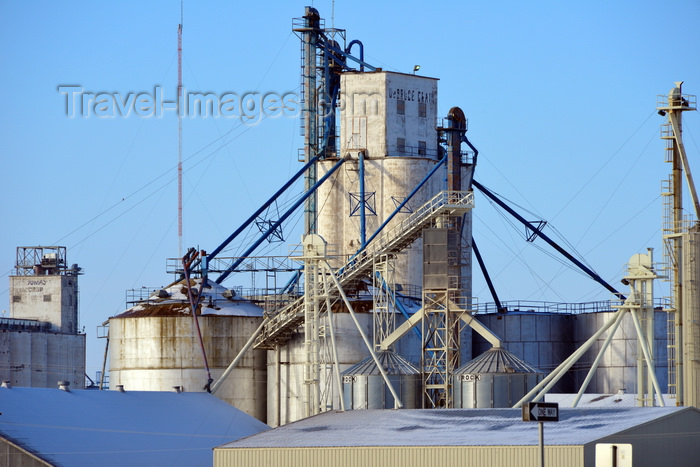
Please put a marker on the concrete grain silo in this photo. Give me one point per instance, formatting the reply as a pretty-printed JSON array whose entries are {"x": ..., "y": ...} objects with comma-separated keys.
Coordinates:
[
  {"x": 389, "y": 141},
  {"x": 154, "y": 345},
  {"x": 40, "y": 343}
]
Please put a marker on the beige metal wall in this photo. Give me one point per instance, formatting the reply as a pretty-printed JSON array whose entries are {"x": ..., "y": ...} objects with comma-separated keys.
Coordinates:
[
  {"x": 287, "y": 393},
  {"x": 12, "y": 456},
  {"x": 41, "y": 359},
  {"x": 157, "y": 353},
  {"x": 545, "y": 340},
  {"x": 402, "y": 456},
  {"x": 669, "y": 441}
]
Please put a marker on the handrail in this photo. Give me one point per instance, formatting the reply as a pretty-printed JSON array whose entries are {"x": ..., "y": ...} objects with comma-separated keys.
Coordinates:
[{"x": 396, "y": 238}]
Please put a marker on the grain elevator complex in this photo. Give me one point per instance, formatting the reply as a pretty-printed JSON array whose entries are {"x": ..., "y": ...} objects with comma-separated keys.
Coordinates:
[
  {"x": 41, "y": 343},
  {"x": 374, "y": 307},
  {"x": 377, "y": 309}
]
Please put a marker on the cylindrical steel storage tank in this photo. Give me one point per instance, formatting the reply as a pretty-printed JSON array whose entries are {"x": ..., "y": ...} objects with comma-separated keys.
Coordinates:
[
  {"x": 546, "y": 339},
  {"x": 618, "y": 368},
  {"x": 495, "y": 379},
  {"x": 364, "y": 386},
  {"x": 154, "y": 346},
  {"x": 285, "y": 371},
  {"x": 540, "y": 338}
]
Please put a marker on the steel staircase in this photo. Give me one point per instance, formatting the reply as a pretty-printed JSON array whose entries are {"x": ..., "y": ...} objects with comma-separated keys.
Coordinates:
[{"x": 279, "y": 327}]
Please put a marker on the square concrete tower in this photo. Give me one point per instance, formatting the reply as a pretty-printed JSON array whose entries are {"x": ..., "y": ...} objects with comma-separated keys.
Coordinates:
[
  {"x": 391, "y": 119},
  {"x": 45, "y": 289},
  {"x": 388, "y": 114}
]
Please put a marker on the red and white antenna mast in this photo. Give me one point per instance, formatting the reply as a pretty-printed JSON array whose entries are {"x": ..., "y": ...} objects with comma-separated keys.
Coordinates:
[{"x": 179, "y": 135}]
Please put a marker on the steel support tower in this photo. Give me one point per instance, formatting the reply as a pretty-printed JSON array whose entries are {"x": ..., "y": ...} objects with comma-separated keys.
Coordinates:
[
  {"x": 675, "y": 225},
  {"x": 383, "y": 298},
  {"x": 445, "y": 279}
]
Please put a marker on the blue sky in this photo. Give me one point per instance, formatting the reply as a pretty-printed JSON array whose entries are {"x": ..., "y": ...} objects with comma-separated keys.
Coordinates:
[{"x": 560, "y": 98}]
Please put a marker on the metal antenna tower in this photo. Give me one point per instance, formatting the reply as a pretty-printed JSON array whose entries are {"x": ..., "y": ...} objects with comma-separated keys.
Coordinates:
[{"x": 179, "y": 133}]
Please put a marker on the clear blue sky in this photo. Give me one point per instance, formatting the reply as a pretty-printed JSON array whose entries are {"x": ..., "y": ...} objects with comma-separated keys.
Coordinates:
[{"x": 560, "y": 98}]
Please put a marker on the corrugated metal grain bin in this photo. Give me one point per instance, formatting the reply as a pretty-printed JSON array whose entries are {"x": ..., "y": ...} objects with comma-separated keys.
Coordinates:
[
  {"x": 365, "y": 388},
  {"x": 497, "y": 378}
]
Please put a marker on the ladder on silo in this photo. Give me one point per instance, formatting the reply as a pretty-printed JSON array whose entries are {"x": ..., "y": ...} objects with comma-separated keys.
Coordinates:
[{"x": 279, "y": 327}]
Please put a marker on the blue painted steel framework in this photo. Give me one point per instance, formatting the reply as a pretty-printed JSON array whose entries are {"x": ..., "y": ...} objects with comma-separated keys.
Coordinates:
[{"x": 536, "y": 231}]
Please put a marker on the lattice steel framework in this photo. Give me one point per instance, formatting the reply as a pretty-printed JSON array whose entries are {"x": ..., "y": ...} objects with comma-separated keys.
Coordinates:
[
  {"x": 444, "y": 304},
  {"x": 384, "y": 298}
]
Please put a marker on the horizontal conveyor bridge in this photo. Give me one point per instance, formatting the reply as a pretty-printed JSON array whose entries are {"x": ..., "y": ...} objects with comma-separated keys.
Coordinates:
[{"x": 278, "y": 327}]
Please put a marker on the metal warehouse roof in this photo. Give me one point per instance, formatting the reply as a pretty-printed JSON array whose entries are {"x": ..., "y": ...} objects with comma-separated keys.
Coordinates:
[
  {"x": 451, "y": 427},
  {"x": 88, "y": 427}
]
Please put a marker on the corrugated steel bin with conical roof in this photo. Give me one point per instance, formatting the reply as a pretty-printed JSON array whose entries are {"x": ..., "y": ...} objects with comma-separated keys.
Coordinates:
[
  {"x": 494, "y": 379},
  {"x": 365, "y": 388}
]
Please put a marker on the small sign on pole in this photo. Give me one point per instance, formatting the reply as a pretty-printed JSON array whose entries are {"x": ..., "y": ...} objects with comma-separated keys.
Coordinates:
[{"x": 541, "y": 412}]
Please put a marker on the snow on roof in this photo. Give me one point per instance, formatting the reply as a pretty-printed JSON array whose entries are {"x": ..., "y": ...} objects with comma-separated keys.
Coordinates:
[
  {"x": 173, "y": 300},
  {"x": 620, "y": 399},
  {"x": 88, "y": 427},
  {"x": 450, "y": 427}
]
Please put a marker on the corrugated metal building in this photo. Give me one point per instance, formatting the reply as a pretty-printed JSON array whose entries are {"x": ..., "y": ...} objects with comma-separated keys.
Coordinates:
[
  {"x": 40, "y": 427},
  {"x": 476, "y": 437}
]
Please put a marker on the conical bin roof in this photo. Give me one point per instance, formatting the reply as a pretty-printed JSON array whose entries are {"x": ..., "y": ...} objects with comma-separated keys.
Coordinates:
[
  {"x": 497, "y": 360},
  {"x": 392, "y": 363}
]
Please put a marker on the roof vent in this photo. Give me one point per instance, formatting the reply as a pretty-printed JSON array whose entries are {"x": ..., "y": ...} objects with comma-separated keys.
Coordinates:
[
  {"x": 120, "y": 387},
  {"x": 64, "y": 385},
  {"x": 228, "y": 293},
  {"x": 162, "y": 293},
  {"x": 6, "y": 384}
]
